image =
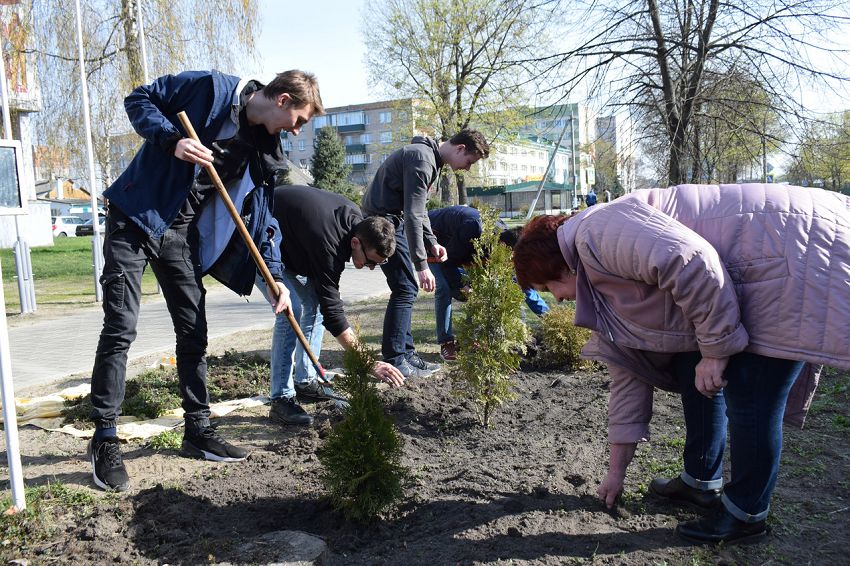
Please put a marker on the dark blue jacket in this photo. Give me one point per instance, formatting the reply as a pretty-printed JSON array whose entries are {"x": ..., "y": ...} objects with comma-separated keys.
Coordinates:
[
  {"x": 456, "y": 228},
  {"x": 155, "y": 185}
]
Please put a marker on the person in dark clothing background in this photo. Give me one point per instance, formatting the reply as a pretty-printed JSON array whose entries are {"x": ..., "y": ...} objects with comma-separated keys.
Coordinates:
[
  {"x": 320, "y": 232},
  {"x": 456, "y": 228},
  {"x": 399, "y": 192}
]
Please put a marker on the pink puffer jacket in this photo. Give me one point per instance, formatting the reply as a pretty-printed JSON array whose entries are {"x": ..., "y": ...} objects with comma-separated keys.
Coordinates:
[{"x": 722, "y": 269}]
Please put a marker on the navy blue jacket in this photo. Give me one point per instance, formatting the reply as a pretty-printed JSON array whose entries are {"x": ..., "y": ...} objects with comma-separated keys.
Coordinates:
[
  {"x": 456, "y": 228},
  {"x": 155, "y": 185}
]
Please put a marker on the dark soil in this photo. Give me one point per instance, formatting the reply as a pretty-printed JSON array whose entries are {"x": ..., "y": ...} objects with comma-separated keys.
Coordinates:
[{"x": 520, "y": 492}]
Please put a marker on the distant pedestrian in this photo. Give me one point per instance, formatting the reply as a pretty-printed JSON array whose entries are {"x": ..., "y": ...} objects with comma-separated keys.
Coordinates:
[
  {"x": 399, "y": 192},
  {"x": 154, "y": 209},
  {"x": 590, "y": 198}
]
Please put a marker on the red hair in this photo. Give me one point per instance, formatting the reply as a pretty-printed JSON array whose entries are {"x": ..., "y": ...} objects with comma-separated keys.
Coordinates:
[{"x": 537, "y": 255}]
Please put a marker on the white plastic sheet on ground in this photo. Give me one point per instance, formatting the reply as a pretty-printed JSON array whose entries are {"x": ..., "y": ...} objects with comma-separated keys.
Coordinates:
[{"x": 46, "y": 412}]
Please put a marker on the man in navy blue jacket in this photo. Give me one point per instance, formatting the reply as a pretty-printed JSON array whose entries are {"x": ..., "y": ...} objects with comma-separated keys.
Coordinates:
[
  {"x": 155, "y": 210},
  {"x": 456, "y": 228}
]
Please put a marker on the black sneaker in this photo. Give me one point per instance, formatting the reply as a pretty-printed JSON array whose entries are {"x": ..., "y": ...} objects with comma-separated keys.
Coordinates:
[
  {"x": 315, "y": 391},
  {"x": 416, "y": 361},
  {"x": 206, "y": 443},
  {"x": 286, "y": 411},
  {"x": 108, "y": 469},
  {"x": 409, "y": 371}
]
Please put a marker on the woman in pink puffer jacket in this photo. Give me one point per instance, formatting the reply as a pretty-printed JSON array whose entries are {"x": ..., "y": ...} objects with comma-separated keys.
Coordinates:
[{"x": 720, "y": 293}]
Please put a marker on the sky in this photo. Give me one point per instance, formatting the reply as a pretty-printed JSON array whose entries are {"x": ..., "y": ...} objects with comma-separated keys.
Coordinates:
[{"x": 322, "y": 37}]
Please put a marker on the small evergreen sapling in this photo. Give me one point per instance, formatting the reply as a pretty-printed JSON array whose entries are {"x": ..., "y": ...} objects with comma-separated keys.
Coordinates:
[
  {"x": 362, "y": 455},
  {"x": 491, "y": 335}
]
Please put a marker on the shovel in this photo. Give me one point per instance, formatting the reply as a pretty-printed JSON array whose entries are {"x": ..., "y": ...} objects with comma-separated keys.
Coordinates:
[{"x": 255, "y": 253}]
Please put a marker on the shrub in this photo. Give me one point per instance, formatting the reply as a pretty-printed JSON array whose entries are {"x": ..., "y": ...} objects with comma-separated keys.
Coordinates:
[
  {"x": 362, "y": 455},
  {"x": 561, "y": 341},
  {"x": 491, "y": 333}
]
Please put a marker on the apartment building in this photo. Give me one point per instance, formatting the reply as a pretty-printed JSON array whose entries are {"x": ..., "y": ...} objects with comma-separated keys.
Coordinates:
[
  {"x": 368, "y": 131},
  {"x": 617, "y": 130}
]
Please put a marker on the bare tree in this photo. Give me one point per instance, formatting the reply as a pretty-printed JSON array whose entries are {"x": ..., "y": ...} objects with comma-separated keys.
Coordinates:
[
  {"x": 466, "y": 59},
  {"x": 180, "y": 34},
  {"x": 660, "y": 57}
]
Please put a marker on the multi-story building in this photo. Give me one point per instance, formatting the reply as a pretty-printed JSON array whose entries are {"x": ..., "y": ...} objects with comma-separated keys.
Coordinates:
[
  {"x": 617, "y": 131},
  {"x": 369, "y": 133}
]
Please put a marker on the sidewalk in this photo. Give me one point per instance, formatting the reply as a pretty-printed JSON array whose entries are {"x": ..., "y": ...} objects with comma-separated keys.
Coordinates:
[{"x": 48, "y": 350}]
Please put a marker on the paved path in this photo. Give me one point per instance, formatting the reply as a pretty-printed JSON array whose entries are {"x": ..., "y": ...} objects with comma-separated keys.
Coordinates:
[{"x": 49, "y": 349}]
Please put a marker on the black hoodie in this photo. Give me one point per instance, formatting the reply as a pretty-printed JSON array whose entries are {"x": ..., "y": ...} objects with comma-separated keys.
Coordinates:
[{"x": 401, "y": 185}]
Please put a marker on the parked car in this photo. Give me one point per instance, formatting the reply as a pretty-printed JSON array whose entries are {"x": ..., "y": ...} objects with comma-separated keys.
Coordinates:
[
  {"x": 86, "y": 228},
  {"x": 65, "y": 225}
]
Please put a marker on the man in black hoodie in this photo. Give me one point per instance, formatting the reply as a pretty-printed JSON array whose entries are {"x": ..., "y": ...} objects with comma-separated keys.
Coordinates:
[
  {"x": 399, "y": 192},
  {"x": 320, "y": 232}
]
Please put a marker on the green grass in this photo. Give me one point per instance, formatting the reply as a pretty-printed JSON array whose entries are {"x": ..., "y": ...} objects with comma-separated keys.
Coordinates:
[
  {"x": 38, "y": 522},
  {"x": 63, "y": 274},
  {"x": 168, "y": 440}
]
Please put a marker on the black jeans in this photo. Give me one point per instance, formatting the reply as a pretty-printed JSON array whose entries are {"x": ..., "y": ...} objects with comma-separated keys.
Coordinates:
[
  {"x": 397, "y": 343},
  {"x": 127, "y": 250}
]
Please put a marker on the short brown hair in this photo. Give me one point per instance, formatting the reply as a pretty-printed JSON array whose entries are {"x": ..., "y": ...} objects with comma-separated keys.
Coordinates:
[
  {"x": 376, "y": 233},
  {"x": 302, "y": 87},
  {"x": 537, "y": 255},
  {"x": 474, "y": 141}
]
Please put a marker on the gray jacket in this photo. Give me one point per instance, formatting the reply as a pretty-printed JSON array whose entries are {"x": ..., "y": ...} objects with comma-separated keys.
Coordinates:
[{"x": 400, "y": 188}]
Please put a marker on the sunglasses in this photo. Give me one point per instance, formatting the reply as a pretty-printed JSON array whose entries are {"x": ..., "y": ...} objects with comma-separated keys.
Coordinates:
[{"x": 370, "y": 263}]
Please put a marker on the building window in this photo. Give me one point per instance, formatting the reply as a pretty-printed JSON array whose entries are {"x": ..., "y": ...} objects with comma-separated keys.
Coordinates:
[
  {"x": 358, "y": 158},
  {"x": 386, "y": 137},
  {"x": 385, "y": 117},
  {"x": 301, "y": 145},
  {"x": 349, "y": 140},
  {"x": 556, "y": 200},
  {"x": 365, "y": 138}
]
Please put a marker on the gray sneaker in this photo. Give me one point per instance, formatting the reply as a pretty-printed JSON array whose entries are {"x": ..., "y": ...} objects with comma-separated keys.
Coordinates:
[
  {"x": 409, "y": 371},
  {"x": 416, "y": 361}
]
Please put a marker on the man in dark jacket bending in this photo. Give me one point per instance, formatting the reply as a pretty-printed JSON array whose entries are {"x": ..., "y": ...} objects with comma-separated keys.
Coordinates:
[{"x": 320, "y": 232}]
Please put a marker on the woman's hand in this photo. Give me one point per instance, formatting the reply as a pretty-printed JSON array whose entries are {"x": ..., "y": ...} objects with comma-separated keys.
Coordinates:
[
  {"x": 709, "y": 375},
  {"x": 611, "y": 487}
]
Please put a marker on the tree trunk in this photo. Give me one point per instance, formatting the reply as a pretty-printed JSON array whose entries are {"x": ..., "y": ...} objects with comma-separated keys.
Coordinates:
[
  {"x": 461, "y": 188},
  {"x": 446, "y": 190},
  {"x": 129, "y": 12}
]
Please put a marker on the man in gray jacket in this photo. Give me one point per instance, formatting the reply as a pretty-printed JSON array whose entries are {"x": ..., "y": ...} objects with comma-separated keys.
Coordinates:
[{"x": 399, "y": 192}]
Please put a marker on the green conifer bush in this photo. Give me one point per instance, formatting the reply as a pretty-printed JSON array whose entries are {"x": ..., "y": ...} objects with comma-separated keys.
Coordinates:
[
  {"x": 362, "y": 455},
  {"x": 561, "y": 341},
  {"x": 490, "y": 334}
]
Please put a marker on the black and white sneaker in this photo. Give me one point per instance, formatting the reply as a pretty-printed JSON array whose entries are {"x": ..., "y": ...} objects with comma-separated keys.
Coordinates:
[
  {"x": 206, "y": 443},
  {"x": 108, "y": 471},
  {"x": 416, "y": 361}
]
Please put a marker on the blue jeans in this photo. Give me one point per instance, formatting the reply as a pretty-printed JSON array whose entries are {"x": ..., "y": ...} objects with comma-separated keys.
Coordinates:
[
  {"x": 442, "y": 305},
  {"x": 288, "y": 355},
  {"x": 173, "y": 257},
  {"x": 752, "y": 403},
  {"x": 397, "y": 342}
]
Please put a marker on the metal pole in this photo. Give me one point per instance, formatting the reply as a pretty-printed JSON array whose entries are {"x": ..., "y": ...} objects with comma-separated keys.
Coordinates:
[
  {"x": 545, "y": 173},
  {"x": 141, "y": 23},
  {"x": 97, "y": 256},
  {"x": 10, "y": 417}
]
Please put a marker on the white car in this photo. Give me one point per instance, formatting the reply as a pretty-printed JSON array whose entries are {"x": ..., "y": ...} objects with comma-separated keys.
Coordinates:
[{"x": 66, "y": 226}]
